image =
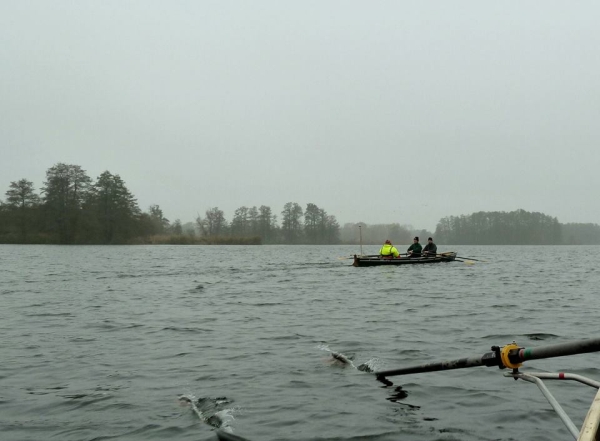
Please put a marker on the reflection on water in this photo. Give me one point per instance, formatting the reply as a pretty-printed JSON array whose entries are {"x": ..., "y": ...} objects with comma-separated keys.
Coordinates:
[{"x": 100, "y": 342}]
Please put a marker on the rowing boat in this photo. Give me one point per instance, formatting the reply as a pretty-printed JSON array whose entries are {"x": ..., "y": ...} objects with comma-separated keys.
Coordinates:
[
  {"x": 360, "y": 260},
  {"x": 512, "y": 356}
]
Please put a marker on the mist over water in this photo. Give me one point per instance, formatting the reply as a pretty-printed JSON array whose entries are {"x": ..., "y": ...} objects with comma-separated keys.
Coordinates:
[{"x": 100, "y": 342}]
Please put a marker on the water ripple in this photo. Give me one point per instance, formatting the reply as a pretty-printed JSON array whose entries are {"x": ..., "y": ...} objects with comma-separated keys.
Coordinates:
[{"x": 97, "y": 342}]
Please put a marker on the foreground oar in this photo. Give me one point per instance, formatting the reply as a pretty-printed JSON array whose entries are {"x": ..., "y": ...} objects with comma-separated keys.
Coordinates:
[
  {"x": 224, "y": 436},
  {"x": 509, "y": 356}
]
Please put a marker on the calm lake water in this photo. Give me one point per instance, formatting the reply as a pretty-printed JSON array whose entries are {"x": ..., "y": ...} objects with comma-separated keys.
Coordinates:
[{"x": 99, "y": 343}]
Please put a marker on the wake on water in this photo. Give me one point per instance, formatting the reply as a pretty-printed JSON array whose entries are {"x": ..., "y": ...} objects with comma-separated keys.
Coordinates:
[{"x": 213, "y": 411}]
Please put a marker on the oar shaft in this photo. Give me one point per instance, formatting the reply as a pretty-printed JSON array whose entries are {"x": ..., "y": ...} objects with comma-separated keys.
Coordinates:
[
  {"x": 460, "y": 257},
  {"x": 558, "y": 350},
  {"x": 515, "y": 356},
  {"x": 488, "y": 359}
]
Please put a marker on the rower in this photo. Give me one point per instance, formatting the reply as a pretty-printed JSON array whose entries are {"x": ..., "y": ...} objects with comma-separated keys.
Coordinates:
[
  {"x": 388, "y": 251},
  {"x": 430, "y": 250},
  {"x": 415, "y": 249}
]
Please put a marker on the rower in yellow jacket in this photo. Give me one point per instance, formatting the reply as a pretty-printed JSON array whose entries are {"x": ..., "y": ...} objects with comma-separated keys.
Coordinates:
[{"x": 388, "y": 251}]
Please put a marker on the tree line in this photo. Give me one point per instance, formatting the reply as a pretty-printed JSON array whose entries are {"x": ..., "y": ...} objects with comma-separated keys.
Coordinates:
[
  {"x": 517, "y": 227},
  {"x": 73, "y": 209},
  {"x": 312, "y": 225}
]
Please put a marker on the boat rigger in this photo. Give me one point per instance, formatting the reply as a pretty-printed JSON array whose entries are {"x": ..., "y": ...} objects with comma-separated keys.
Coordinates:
[{"x": 513, "y": 356}]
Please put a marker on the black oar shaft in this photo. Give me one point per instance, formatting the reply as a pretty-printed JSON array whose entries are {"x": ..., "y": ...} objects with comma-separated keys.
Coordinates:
[
  {"x": 440, "y": 366},
  {"x": 558, "y": 350},
  {"x": 493, "y": 358}
]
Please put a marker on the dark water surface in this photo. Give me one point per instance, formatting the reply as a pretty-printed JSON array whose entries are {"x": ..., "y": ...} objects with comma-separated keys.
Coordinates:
[{"x": 98, "y": 343}]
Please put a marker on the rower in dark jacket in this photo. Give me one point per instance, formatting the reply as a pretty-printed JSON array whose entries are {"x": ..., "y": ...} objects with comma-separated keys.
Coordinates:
[
  {"x": 415, "y": 249},
  {"x": 430, "y": 250}
]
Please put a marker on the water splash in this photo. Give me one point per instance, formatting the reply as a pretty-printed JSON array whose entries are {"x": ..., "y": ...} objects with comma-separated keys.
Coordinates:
[
  {"x": 225, "y": 417},
  {"x": 371, "y": 365},
  {"x": 346, "y": 360},
  {"x": 210, "y": 411}
]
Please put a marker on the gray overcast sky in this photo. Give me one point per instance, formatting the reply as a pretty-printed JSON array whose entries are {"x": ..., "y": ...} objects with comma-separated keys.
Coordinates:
[{"x": 376, "y": 111}]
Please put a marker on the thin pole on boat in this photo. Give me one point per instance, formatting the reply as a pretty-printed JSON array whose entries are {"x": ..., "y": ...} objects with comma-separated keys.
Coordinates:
[
  {"x": 360, "y": 234},
  {"x": 512, "y": 352}
]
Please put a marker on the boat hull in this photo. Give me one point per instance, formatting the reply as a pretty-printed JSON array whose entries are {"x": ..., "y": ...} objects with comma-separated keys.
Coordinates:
[
  {"x": 590, "y": 431},
  {"x": 378, "y": 261}
]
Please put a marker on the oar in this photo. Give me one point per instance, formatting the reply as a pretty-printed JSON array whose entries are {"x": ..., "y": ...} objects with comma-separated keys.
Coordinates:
[
  {"x": 368, "y": 255},
  {"x": 462, "y": 257},
  {"x": 399, "y": 254},
  {"x": 352, "y": 257},
  {"x": 510, "y": 356},
  {"x": 225, "y": 436},
  {"x": 470, "y": 258},
  {"x": 457, "y": 258}
]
